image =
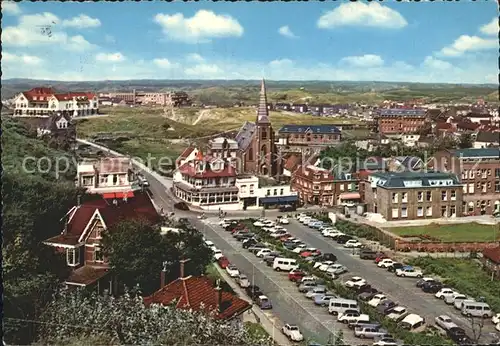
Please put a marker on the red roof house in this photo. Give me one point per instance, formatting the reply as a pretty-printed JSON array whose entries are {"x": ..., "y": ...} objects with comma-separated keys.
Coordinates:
[
  {"x": 491, "y": 259},
  {"x": 83, "y": 229},
  {"x": 199, "y": 294}
]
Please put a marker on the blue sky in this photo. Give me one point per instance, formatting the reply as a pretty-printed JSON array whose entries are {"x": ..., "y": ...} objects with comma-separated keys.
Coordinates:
[{"x": 453, "y": 42}]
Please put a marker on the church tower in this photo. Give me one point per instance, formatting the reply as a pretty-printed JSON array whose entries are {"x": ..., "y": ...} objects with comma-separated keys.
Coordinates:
[{"x": 266, "y": 148}]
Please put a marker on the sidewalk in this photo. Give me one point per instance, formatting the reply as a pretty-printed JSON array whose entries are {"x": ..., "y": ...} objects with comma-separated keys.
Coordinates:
[{"x": 272, "y": 328}]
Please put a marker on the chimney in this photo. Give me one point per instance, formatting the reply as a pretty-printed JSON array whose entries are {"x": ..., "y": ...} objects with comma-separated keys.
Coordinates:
[
  {"x": 218, "y": 292},
  {"x": 182, "y": 262},
  {"x": 163, "y": 274}
]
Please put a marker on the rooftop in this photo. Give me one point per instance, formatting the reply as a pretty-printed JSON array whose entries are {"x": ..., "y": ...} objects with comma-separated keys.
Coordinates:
[
  {"x": 415, "y": 179},
  {"x": 477, "y": 153},
  {"x": 322, "y": 129}
]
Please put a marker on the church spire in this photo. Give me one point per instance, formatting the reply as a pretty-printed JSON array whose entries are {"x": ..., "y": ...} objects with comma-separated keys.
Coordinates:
[{"x": 262, "y": 111}]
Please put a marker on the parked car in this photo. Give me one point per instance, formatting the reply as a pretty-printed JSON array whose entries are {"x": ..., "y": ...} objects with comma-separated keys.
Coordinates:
[
  {"x": 343, "y": 239},
  {"x": 410, "y": 272},
  {"x": 496, "y": 319},
  {"x": 292, "y": 332},
  {"x": 223, "y": 262},
  {"x": 355, "y": 280},
  {"x": 337, "y": 269},
  {"x": 385, "y": 263},
  {"x": 263, "y": 252},
  {"x": 352, "y": 316},
  {"x": 380, "y": 257},
  {"x": 264, "y": 302},
  {"x": 287, "y": 208},
  {"x": 432, "y": 287},
  {"x": 377, "y": 299},
  {"x": 242, "y": 281},
  {"x": 306, "y": 286},
  {"x": 232, "y": 271},
  {"x": 397, "y": 313},
  {"x": 318, "y": 290},
  {"x": 323, "y": 299},
  {"x": 354, "y": 325},
  {"x": 394, "y": 266},
  {"x": 420, "y": 283},
  {"x": 386, "y": 306},
  {"x": 218, "y": 254},
  {"x": 385, "y": 341},
  {"x": 444, "y": 292},
  {"x": 457, "y": 304},
  {"x": 251, "y": 289},
  {"x": 367, "y": 254},
  {"x": 296, "y": 275},
  {"x": 369, "y": 332},
  {"x": 458, "y": 336},
  {"x": 450, "y": 300},
  {"x": 361, "y": 287},
  {"x": 324, "y": 265},
  {"x": 445, "y": 322},
  {"x": 368, "y": 295},
  {"x": 353, "y": 243}
]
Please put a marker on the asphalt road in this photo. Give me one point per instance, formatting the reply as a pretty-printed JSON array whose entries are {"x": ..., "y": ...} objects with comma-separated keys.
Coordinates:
[
  {"x": 289, "y": 305},
  {"x": 401, "y": 290}
]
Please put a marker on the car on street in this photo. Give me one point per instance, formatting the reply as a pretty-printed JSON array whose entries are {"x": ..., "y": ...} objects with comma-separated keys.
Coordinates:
[
  {"x": 232, "y": 271},
  {"x": 223, "y": 262},
  {"x": 367, "y": 254},
  {"x": 410, "y": 272},
  {"x": 394, "y": 266},
  {"x": 323, "y": 299},
  {"x": 444, "y": 292},
  {"x": 292, "y": 332},
  {"x": 355, "y": 280},
  {"x": 242, "y": 281},
  {"x": 397, "y": 313},
  {"x": 353, "y": 243},
  {"x": 252, "y": 288},
  {"x": 210, "y": 244},
  {"x": 495, "y": 319},
  {"x": 385, "y": 263},
  {"x": 218, "y": 254},
  {"x": 380, "y": 257},
  {"x": 377, "y": 299},
  {"x": 352, "y": 316},
  {"x": 287, "y": 208},
  {"x": 259, "y": 223},
  {"x": 445, "y": 322},
  {"x": 264, "y": 302},
  {"x": 343, "y": 239},
  {"x": 318, "y": 290}
]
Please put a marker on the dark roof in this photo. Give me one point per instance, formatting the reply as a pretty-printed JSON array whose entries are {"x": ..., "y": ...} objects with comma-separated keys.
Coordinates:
[
  {"x": 245, "y": 135},
  {"x": 86, "y": 275},
  {"x": 305, "y": 128},
  {"x": 402, "y": 112},
  {"x": 473, "y": 153},
  {"x": 493, "y": 254},
  {"x": 488, "y": 137},
  {"x": 198, "y": 293},
  {"x": 397, "y": 180}
]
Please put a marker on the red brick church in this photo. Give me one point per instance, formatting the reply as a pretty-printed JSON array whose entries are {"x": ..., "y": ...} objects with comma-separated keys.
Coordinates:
[{"x": 258, "y": 152}]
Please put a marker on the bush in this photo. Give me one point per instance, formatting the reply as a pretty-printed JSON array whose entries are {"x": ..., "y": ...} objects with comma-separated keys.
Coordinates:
[{"x": 341, "y": 290}]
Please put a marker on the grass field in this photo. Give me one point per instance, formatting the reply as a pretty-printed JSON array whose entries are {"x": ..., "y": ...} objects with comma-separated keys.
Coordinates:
[
  {"x": 256, "y": 330},
  {"x": 467, "y": 232}
]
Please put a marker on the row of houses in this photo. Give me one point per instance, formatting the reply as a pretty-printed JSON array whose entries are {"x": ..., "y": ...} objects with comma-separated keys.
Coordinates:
[{"x": 173, "y": 98}]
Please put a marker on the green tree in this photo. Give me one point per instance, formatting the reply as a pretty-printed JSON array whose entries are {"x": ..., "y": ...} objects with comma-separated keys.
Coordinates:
[
  {"x": 137, "y": 252},
  {"x": 465, "y": 141},
  {"x": 74, "y": 318}
]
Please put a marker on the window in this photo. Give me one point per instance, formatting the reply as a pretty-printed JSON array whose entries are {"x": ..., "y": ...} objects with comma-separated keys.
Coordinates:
[
  {"x": 404, "y": 212},
  {"x": 275, "y": 192},
  {"x": 453, "y": 211},
  {"x": 251, "y": 189},
  {"x": 73, "y": 256},
  {"x": 341, "y": 187},
  {"x": 428, "y": 196},
  {"x": 497, "y": 172},
  {"x": 420, "y": 211},
  {"x": 483, "y": 173},
  {"x": 444, "y": 211},
  {"x": 483, "y": 187},
  {"x": 497, "y": 186},
  {"x": 87, "y": 181},
  {"x": 115, "y": 179},
  {"x": 394, "y": 197},
  {"x": 420, "y": 196},
  {"x": 404, "y": 197},
  {"x": 282, "y": 191},
  {"x": 489, "y": 172},
  {"x": 268, "y": 193},
  {"x": 471, "y": 174},
  {"x": 453, "y": 196},
  {"x": 395, "y": 212},
  {"x": 428, "y": 211},
  {"x": 98, "y": 254},
  {"x": 471, "y": 188},
  {"x": 243, "y": 188},
  {"x": 464, "y": 187}
]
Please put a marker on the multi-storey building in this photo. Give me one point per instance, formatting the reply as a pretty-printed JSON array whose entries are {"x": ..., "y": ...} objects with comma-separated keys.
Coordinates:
[
  {"x": 112, "y": 176},
  {"x": 82, "y": 235},
  {"x": 296, "y": 138},
  {"x": 479, "y": 172},
  {"x": 413, "y": 195},
  {"x": 46, "y": 102},
  {"x": 172, "y": 98},
  {"x": 314, "y": 185},
  {"x": 399, "y": 121}
]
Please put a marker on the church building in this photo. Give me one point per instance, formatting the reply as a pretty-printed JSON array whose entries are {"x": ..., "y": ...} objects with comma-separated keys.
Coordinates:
[{"x": 257, "y": 150}]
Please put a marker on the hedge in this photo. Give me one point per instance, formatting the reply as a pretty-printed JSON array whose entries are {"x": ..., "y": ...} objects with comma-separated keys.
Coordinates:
[{"x": 408, "y": 337}]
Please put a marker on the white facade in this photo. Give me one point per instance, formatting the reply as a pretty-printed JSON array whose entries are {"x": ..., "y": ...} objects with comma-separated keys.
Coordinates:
[
  {"x": 276, "y": 191},
  {"x": 89, "y": 177},
  {"x": 410, "y": 140}
]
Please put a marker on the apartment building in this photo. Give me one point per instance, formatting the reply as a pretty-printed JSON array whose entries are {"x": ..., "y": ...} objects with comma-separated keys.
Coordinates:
[
  {"x": 399, "y": 121},
  {"x": 295, "y": 138},
  {"x": 174, "y": 98},
  {"x": 314, "y": 185},
  {"x": 479, "y": 172},
  {"x": 413, "y": 195}
]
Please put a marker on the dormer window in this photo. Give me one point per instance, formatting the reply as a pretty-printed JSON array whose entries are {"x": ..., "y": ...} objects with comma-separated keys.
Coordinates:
[{"x": 73, "y": 257}]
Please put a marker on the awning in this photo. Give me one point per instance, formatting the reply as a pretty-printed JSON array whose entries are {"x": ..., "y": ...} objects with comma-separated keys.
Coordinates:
[
  {"x": 279, "y": 199},
  {"x": 113, "y": 195},
  {"x": 350, "y": 195}
]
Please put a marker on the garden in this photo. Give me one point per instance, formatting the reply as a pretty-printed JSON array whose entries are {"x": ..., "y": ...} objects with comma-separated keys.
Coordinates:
[{"x": 463, "y": 232}]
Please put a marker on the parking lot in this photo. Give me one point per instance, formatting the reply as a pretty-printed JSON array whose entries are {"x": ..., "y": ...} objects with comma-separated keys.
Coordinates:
[
  {"x": 289, "y": 305},
  {"x": 401, "y": 290}
]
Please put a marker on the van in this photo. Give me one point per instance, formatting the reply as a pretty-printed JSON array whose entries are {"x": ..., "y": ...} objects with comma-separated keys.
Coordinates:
[
  {"x": 458, "y": 303},
  {"x": 476, "y": 309},
  {"x": 412, "y": 322},
  {"x": 285, "y": 264},
  {"x": 339, "y": 305}
]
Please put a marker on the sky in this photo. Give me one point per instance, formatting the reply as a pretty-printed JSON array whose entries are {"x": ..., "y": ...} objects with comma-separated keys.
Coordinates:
[{"x": 435, "y": 42}]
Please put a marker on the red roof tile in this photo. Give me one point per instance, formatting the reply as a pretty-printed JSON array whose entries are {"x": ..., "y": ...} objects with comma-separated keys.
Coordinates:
[
  {"x": 43, "y": 94},
  {"x": 292, "y": 162},
  {"x": 86, "y": 275},
  {"x": 492, "y": 253},
  {"x": 192, "y": 292},
  {"x": 186, "y": 152}
]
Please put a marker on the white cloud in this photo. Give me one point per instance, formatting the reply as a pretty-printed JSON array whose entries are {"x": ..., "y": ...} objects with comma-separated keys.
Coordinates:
[
  {"x": 466, "y": 43},
  {"x": 287, "y": 32},
  {"x": 20, "y": 59},
  {"x": 491, "y": 28},
  {"x": 200, "y": 28},
  {"x": 165, "y": 63},
  {"x": 110, "y": 57},
  {"x": 438, "y": 64},
  {"x": 42, "y": 29},
  {"x": 81, "y": 22},
  {"x": 10, "y": 7},
  {"x": 281, "y": 63},
  {"x": 195, "y": 57},
  {"x": 203, "y": 71},
  {"x": 367, "y": 60},
  {"x": 358, "y": 13}
]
